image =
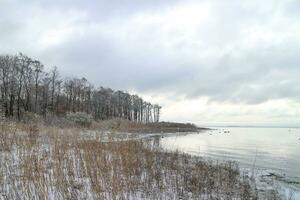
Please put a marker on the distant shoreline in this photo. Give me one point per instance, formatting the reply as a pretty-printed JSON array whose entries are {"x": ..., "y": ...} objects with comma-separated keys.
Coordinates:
[
  {"x": 287, "y": 127},
  {"x": 121, "y": 125}
]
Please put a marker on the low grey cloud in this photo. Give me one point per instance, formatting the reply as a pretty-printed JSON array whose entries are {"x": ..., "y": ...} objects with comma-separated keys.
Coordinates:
[{"x": 235, "y": 51}]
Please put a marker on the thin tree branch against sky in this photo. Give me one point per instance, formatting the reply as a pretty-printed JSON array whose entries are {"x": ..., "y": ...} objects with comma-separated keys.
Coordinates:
[{"x": 204, "y": 61}]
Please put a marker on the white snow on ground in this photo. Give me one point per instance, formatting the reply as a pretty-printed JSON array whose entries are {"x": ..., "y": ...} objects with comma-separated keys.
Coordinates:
[
  {"x": 9, "y": 161},
  {"x": 263, "y": 179}
]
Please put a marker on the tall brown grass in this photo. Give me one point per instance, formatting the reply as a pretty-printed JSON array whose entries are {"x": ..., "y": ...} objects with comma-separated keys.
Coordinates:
[{"x": 40, "y": 162}]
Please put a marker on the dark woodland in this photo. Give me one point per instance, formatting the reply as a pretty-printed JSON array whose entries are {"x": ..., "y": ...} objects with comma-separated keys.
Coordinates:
[{"x": 25, "y": 87}]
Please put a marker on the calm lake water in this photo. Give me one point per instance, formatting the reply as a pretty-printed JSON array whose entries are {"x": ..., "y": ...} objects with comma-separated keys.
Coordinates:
[{"x": 276, "y": 149}]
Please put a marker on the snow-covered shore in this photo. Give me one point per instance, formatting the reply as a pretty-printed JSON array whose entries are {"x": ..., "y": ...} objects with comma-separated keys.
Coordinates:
[
  {"x": 51, "y": 163},
  {"x": 262, "y": 179}
]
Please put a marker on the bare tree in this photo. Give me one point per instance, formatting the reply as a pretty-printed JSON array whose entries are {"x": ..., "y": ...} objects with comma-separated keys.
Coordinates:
[
  {"x": 26, "y": 87},
  {"x": 38, "y": 68}
]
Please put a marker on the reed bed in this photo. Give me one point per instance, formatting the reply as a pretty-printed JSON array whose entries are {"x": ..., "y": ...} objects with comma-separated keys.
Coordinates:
[{"x": 38, "y": 162}]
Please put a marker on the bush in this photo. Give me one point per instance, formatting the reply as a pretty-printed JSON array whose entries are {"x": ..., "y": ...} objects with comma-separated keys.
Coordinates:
[
  {"x": 29, "y": 117},
  {"x": 80, "y": 118}
]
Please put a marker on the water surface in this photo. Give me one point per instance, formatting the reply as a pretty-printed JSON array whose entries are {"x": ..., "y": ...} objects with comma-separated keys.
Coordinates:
[{"x": 276, "y": 149}]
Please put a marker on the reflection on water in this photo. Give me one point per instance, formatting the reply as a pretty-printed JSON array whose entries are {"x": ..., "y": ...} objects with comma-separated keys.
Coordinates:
[{"x": 265, "y": 148}]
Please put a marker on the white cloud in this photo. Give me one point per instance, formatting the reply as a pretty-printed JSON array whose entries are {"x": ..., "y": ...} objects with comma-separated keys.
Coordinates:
[{"x": 208, "y": 61}]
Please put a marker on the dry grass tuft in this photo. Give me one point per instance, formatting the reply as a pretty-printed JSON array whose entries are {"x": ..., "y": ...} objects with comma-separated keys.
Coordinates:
[{"x": 49, "y": 163}]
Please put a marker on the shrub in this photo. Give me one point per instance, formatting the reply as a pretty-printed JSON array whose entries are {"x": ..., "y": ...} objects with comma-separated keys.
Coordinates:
[
  {"x": 80, "y": 118},
  {"x": 29, "y": 117}
]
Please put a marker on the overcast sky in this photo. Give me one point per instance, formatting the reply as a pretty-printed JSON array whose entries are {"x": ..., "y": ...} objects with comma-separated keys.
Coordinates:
[{"x": 205, "y": 61}]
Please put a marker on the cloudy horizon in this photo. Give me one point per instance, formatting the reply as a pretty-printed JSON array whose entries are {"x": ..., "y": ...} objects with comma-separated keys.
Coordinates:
[{"x": 207, "y": 62}]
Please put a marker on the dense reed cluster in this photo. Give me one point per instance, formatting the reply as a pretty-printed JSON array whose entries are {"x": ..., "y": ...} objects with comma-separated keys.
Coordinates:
[{"x": 50, "y": 163}]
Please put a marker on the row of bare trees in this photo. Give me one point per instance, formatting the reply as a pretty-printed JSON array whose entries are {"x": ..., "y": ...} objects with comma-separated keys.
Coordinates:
[{"x": 26, "y": 88}]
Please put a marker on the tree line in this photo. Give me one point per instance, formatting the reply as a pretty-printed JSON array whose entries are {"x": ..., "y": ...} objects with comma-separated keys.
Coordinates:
[{"x": 26, "y": 88}]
